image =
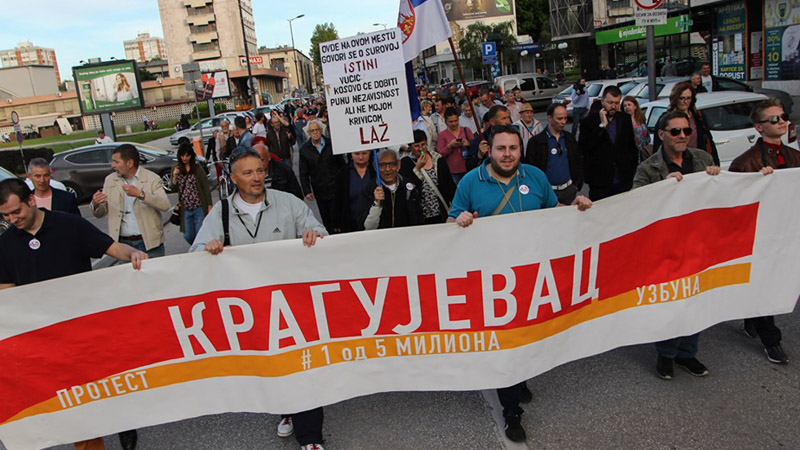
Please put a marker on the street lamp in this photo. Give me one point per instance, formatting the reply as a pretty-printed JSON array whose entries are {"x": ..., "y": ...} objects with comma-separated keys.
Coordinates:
[
  {"x": 250, "y": 84},
  {"x": 384, "y": 25},
  {"x": 294, "y": 52}
]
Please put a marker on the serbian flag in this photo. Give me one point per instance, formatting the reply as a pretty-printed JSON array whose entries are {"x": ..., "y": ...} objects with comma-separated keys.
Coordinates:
[{"x": 424, "y": 24}]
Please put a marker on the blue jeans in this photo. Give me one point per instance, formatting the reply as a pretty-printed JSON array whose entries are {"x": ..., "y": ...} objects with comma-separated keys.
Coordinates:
[
  {"x": 578, "y": 114},
  {"x": 192, "y": 221},
  {"x": 683, "y": 347},
  {"x": 154, "y": 252}
]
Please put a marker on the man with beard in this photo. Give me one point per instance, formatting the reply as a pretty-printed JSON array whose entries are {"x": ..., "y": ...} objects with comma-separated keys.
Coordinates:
[
  {"x": 502, "y": 185},
  {"x": 608, "y": 146}
]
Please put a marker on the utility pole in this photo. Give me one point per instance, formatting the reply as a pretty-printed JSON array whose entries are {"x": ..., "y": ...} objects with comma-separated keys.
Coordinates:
[
  {"x": 250, "y": 83},
  {"x": 294, "y": 51}
]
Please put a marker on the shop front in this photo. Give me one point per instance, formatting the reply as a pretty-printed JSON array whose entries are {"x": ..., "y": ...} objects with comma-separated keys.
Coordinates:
[{"x": 782, "y": 45}]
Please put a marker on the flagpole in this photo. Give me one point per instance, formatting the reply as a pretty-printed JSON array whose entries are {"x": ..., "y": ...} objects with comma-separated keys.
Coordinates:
[{"x": 464, "y": 83}]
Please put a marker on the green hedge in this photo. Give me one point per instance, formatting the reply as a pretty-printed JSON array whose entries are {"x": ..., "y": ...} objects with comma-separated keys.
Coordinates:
[
  {"x": 10, "y": 159},
  {"x": 218, "y": 108}
]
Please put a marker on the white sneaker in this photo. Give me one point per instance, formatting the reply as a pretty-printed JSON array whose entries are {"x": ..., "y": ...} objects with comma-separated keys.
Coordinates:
[
  {"x": 285, "y": 428},
  {"x": 312, "y": 447}
]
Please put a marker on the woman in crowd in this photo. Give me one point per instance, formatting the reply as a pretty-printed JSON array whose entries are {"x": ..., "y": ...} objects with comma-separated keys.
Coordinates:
[
  {"x": 260, "y": 127},
  {"x": 431, "y": 176},
  {"x": 194, "y": 193},
  {"x": 453, "y": 144},
  {"x": 351, "y": 181},
  {"x": 640, "y": 133},
  {"x": 683, "y": 98},
  {"x": 430, "y": 128}
]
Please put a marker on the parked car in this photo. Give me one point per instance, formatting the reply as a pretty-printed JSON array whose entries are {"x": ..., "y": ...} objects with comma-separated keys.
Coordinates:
[
  {"x": 474, "y": 87},
  {"x": 83, "y": 170},
  {"x": 206, "y": 126},
  {"x": 536, "y": 89},
  {"x": 728, "y": 118},
  {"x": 725, "y": 84},
  {"x": 594, "y": 89}
]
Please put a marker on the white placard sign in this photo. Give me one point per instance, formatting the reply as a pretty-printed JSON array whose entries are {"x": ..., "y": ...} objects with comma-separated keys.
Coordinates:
[
  {"x": 647, "y": 17},
  {"x": 366, "y": 91}
]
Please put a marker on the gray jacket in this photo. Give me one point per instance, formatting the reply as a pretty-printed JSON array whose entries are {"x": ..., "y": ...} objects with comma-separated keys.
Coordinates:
[
  {"x": 283, "y": 216},
  {"x": 654, "y": 169}
]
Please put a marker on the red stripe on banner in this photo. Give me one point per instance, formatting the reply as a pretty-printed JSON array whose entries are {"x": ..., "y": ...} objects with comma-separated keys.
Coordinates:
[{"x": 93, "y": 347}]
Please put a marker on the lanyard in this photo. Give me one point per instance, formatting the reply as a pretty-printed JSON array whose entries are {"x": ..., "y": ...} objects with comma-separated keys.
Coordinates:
[{"x": 258, "y": 224}]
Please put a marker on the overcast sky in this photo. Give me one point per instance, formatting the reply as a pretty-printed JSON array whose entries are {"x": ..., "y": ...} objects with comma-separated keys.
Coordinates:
[{"x": 79, "y": 30}]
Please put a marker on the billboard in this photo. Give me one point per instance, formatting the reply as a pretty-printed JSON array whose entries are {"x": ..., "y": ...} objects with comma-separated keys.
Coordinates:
[
  {"x": 782, "y": 40},
  {"x": 108, "y": 87},
  {"x": 213, "y": 85},
  {"x": 477, "y": 9}
]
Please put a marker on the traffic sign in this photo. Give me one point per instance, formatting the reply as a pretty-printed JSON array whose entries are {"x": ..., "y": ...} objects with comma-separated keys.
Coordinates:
[
  {"x": 488, "y": 49},
  {"x": 648, "y": 4},
  {"x": 14, "y": 117},
  {"x": 489, "y": 52},
  {"x": 646, "y": 17}
]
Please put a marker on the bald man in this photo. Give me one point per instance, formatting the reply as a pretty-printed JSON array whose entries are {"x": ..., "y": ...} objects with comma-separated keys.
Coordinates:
[{"x": 279, "y": 176}]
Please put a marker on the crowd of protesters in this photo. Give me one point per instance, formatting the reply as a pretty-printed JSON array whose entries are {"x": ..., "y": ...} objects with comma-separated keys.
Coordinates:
[{"x": 467, "y": 160}]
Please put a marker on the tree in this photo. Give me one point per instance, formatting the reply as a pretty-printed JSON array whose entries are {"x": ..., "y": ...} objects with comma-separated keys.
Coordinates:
[
  {"x": 533, "y": 19},
  {"x": 144, "y": 75},
  {"x": 501, "y": 34},
  {"x": 322, "y": 33}
]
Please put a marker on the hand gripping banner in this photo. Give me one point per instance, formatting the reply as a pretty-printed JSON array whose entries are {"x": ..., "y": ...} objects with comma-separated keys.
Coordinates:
[{"x": 414, "y": 309}]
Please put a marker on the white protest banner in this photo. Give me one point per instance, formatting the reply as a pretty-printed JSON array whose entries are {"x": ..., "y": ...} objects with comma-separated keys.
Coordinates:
[
  {"x": 246, "y": 330},
  {"x": 366, "y": 91}
]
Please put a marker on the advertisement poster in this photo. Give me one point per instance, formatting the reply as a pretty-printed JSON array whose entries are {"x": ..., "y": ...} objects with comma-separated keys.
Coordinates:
[
  {"x": 213, "y": 85},
  {"x": 108, "y": 87},
  {"x": 756, "y": 56},
  {"x": 367, "y": 91},
  {"x": 782, "y": 23},
  {"x": 730, "y": 54},
  {"x": 477, "y": 9}
]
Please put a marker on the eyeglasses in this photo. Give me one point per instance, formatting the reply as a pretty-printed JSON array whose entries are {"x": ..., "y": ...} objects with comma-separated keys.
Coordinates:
[
  {"x": 675, "y": 132},
  {"x": 775, "y": 119},
  {"x": 685, "y": 99},
  {"x": 386, "y": 165}
]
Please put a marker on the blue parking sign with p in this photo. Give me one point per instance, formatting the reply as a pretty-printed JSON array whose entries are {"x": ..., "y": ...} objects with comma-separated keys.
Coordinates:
[{"x": 489, "y": 49}]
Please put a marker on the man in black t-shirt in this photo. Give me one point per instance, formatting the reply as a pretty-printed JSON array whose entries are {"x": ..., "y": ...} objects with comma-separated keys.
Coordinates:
[{"x": 43, "y": 245}]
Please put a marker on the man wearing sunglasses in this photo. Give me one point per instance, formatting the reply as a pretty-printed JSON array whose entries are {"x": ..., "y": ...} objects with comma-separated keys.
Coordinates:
[
  {"x": 768, "y": 154},
  {"x": 608, "y": 146},
  {"x": 502, "y": 185},
  {"x": 674, "y": 160}
]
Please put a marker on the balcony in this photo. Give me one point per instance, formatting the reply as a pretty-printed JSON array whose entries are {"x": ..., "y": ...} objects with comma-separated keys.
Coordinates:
[
  {"x": 196, "y": 3},
  {"x": 204, "y": 38},
  {"x": 201, "y": 19},
  {"x": 206, "y": 54}
]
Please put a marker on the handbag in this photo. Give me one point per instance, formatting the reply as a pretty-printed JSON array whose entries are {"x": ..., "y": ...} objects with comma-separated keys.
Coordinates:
[{"x": 175, "y": 217}]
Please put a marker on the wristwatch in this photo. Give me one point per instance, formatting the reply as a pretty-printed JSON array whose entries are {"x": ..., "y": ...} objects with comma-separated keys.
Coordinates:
[
  {"x": 602, "y": 125},
  {"x": 141, "y": 195}
]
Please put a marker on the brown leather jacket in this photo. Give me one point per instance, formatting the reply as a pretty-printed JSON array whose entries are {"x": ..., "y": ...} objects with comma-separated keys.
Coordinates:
[{"x": 751, "y": 160}]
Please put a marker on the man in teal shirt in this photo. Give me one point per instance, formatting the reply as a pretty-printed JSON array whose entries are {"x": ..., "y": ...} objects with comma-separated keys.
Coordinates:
[{"x": 502, "y": 185}]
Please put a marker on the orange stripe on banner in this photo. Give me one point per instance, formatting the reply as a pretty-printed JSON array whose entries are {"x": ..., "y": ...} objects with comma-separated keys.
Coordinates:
[{"x": 419, "y": 344}]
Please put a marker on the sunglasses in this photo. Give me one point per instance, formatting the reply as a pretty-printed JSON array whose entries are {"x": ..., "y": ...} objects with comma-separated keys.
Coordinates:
[
  {"x": 675, "y": 132},
  {"x": 775, "y": 119}
]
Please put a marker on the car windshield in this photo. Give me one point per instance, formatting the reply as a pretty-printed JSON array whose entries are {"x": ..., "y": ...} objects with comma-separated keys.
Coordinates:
[
  {"x": 5, "y": 174},
  {"x": 594, "y": 89},
  {"x": 566, "y": 91},
  {"x": 625, "y": 88},
  {"x": 734, "y": 116}
]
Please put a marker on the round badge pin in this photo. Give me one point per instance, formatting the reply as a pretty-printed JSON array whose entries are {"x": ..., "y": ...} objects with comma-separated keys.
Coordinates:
[
  {"x": 409, "y": 186},
  {"x": 523, "y": 189},
  {"x": 553, "y": 151},
  {"x": 34, "y": 244}
]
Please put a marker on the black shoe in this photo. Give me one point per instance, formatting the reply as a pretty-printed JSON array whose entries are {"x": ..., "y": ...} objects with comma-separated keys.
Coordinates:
[
  {"x": 775, "y": 354},
  {"x": 749, "y": 329},
  {"x": 664, "y": 368},
  {"x": 514, "y": 430},
  {"x": 525, "y": 394},
  {"x": 127, "y": 439},
  {"x": 693, "y": 366}
]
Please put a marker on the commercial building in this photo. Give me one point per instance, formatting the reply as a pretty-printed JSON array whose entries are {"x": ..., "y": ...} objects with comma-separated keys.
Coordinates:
[
  {"x": 209, "y": 32},
  {"x": 145, "y": 48},
  {"x": 300, "y": 67},
  {"x": 748, "y": 40},
  {"x": 27, "y": 54},
  {"x": 27, "y": 81}
]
